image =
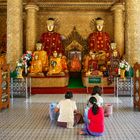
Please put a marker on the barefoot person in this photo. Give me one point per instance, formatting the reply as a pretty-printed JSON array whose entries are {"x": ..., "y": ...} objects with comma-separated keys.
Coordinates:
[
  {"x": 68, "y": 114},
  {"x": 95, "y": 125}
]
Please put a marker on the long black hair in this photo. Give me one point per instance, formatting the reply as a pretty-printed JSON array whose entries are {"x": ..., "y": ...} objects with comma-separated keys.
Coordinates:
[
  {"x": 95, "y": 107},
  {"x": 96, "y": 90}
]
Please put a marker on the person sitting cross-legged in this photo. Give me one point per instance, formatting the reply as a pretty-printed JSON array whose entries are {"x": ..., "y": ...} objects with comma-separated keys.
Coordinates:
[{"x": 68, "y": 114}]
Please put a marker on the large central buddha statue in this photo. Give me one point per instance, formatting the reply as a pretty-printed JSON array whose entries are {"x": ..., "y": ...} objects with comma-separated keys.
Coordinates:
[
  {"x": 51, "y": 40},
  {"x": 99, "y": 40}
]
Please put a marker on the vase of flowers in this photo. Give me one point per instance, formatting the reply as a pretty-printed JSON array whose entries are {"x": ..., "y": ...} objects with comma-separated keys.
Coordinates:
[
  {"x": 23, "y": 64},
  {"x": 123, "y": 67}
]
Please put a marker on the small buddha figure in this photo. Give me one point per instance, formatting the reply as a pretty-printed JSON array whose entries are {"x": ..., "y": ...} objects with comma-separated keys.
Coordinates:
[
  {"x": 93, "y": 63},
  {"x": 114, "y": 51},
  {"x": 102, "y": 60},
  {"x": 75, "y": 64},
  {"x": 55, "y": 66},
  {"x": 42, "y": 55},
  {"x": 51, "y": 40},
  {"x": 63, "y": 62},
  {"x": 36, "y": 66},
  {"x": 93, "y": 66},
  {"x": 99, "y": 40},
  {"x": 86, "y": 59}
]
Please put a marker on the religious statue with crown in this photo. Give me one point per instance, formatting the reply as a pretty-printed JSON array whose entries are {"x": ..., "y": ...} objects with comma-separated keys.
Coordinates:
[
  {"x": 51, "y": 40},
  {"x": 99, "y": 47}
]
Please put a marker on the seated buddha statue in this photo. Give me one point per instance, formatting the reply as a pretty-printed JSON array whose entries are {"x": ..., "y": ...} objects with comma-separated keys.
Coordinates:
[
  {"x": 86, "y": 59},
  {"x": 75, "y": 64},
  {"x": 55, "y": 66},
  {"x": 42, "y": 55},
  {"x": 51, "y": 40},
  {"x": 99, "y": 40},
  {"x": 36, "y": 66},
  {"x": 63, "y": 62},
  {"x": 103, "y": 60},
  {"x": 93, "y": 68}
]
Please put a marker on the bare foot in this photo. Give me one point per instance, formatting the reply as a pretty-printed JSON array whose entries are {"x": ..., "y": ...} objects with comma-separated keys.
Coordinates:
[{"x": 81, "y": 132}]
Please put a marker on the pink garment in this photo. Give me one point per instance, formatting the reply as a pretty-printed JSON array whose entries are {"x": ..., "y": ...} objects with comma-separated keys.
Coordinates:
[{"x": 96, "y": 123}]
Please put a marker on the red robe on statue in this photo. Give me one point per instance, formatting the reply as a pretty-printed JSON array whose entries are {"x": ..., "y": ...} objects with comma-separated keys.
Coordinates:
[
  {"x": 99, "y": 41},
  {"x": 93, "y": 65},
  {"x": 52, "y": 42}
]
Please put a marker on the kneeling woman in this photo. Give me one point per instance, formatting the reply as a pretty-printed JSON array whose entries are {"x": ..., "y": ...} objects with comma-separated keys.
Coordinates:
[{"x": 95, "y": 126}]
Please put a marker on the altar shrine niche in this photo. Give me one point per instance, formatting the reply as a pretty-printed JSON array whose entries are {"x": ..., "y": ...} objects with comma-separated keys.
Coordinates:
[
  {"x": 75, "y": 61},
  {"x": 75, "y": 48}
]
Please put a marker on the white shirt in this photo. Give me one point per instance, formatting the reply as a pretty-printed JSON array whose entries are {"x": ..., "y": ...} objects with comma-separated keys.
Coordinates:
[
  {"x": 66, "y": 110},
  {"x": 99, "y": 99}
]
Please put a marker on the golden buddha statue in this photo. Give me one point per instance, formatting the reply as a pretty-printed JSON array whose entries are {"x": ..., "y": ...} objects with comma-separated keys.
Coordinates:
[
  {"x": 42, "y": 55},
  {"x": 93, "y": 68},
  {"x": 86, "y": 59},
  {"x": 75, "y": 64},
  {"x": 63, "y": 62},
  {"x": 55, "y": 66},
  {"x": 36, "y": 66}
]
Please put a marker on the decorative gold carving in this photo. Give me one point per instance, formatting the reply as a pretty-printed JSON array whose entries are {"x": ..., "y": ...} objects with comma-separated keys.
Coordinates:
[{"x": 75, "y": 42}]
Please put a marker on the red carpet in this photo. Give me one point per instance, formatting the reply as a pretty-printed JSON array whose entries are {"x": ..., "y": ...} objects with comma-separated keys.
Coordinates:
[{"x": 62, "y": 90}]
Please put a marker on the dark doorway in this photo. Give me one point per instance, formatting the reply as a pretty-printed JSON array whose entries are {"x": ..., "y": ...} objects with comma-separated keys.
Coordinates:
[{"x": 75, "y": 80}]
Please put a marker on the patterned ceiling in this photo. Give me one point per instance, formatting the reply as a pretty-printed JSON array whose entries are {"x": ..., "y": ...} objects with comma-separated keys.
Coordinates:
[
  {"x": 76, "y": 0},
  {"x": 57, "y": 5},
  {"x": 69, "y": 1}
]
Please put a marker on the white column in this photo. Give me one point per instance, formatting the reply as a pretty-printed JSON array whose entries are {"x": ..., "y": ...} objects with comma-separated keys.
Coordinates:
[
  {"x": 118, "y": 10},
  {"x": 132, "y": 31},
  {"x": 31, "y": 26},
  {"x": 14, "y": 31}
]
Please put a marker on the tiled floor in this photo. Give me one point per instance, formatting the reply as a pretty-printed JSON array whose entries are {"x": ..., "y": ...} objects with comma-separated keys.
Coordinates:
[{"x": 29, "y": 120}]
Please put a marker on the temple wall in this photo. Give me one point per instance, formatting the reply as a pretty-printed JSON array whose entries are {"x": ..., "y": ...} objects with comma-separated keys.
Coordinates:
[
  {"x": 65, "y": 23},
  {"x": 68, "y": 19}
]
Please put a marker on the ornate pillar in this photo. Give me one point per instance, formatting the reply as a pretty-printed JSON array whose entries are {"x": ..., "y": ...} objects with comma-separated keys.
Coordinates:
[
  {"x": 14, "y": 31},
  {"x": 132, "y": 31},
  {"x": 118, "y": 10},
  {"x": 31, "y": 26}
]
